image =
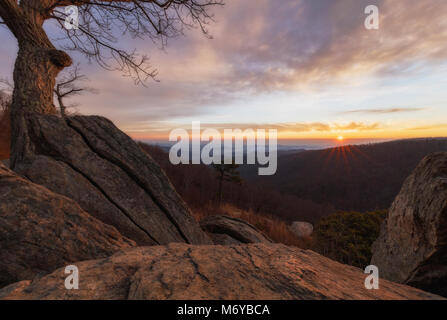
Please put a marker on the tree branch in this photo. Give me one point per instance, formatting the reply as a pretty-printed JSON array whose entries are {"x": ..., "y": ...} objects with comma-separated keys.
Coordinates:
[
  {"x": 156, "y": 20},
  {"x": 70, "y": 83},
  {"x": 101, "y": 20}
]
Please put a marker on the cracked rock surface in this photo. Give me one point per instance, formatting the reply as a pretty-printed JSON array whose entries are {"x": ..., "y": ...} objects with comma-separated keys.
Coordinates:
[
  {"x": 412, "y": 246},
  {"x": 180, "y": 271},
  {"x": 41, "y": 231},
  {"x": 89, "y": 160}
]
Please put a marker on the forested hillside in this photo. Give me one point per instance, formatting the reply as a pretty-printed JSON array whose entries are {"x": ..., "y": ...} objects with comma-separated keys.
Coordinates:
[
  {"x": 198, "y": 186},
  {"x": 360, "y": 178}
]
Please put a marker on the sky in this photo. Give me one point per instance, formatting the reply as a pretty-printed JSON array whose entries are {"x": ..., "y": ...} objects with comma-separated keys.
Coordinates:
[{"x": 308, "y": 68}]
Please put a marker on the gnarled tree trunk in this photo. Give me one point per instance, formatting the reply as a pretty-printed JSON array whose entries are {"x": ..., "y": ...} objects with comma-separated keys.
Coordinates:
[
  {"x": 36, "y": 68},
  {"x": 35, "y": 74},
  {"x": 86, "y": 159}
]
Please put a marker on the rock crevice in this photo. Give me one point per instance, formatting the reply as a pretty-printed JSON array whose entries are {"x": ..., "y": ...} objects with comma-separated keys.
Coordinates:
[
  {"x": 41, "y": 231},
  {"x": 135, "y": 178},
  {"x": 412, "y": 246},
  {"x": 180, "y": 271},
  {"x": 92, "y": 162}
]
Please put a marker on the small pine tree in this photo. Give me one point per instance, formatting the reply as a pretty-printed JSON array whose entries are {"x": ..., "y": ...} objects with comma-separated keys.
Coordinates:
[{"x": 229, "y": 173}]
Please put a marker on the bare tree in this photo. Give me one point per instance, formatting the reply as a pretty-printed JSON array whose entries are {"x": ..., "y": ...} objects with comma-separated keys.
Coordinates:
[
  {"x": 5, "y": 101},
  {"x": 101, "y": 23},
  {"x": 5, "y": 128},
  {"x": 70, "y": 84},
  {"x": 6, "y": 89},
  {"x": 6, "y": 86},
  {"x": 228, "y": 173}
]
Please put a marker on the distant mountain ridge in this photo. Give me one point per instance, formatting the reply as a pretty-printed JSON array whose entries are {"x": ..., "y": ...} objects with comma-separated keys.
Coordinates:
[{"x": 361, "y": 178}]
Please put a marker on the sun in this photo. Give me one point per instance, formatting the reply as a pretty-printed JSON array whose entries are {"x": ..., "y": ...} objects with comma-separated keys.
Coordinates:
[{"x": 340, "y": 138}]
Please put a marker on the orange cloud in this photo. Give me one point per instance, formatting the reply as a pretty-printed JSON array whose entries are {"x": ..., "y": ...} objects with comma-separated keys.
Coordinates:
[
  {"x": 157, "y": 130},
  {"x": 383, "y": 111}
]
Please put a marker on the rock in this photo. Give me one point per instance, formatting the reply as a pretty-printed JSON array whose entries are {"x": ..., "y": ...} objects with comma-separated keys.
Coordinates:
[
  {"x": 302, "y": 229},
  {"x": 180, "y": 271},
  {"x": 92, "y": 162},
  {"x": 223, "y": 239},
  {"x": 227, "y": 230},
  {"x": 41, "y": 231},
  {"x": 5, "y": 162},
  {"x": 412, "y": 246}
]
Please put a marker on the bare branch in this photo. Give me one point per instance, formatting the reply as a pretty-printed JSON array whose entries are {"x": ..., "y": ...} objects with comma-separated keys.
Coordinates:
[
  {"x": 70, "y": 83},
  {"x": 5, "y": 97},
  {"x": 6, "y": 85},
  {"x": 103, "y": 22}
]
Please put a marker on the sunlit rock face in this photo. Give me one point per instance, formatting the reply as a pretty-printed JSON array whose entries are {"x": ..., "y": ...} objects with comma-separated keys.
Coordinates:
[
  {"x": 89, "y": 160},
  {"x": 412, "y": 246},
  {"x": 180, "y": 271},
  {"x": 41, "y": 231}
]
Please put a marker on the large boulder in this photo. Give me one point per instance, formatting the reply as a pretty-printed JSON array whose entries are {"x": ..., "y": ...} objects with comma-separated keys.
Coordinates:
[
  {"x": 41, "y": 231},
  {"x": 302, "y": 229},
  {"x": 412, "y": 246},
  {"x": 180, "y": 271},
  {"x": 226, "y": 230},
  {"x": 89, "y": 160}
]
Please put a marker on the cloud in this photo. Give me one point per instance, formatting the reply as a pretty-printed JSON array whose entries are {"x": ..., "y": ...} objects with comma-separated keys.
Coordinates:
[
  {"x": 297, "y": 43},
  {"x": 263, "y": 46},
  {"x": 269, "y": 46},
  {"x": 430, "y": 127},
  {"x": 162, "y": 129},
  {"x": 382, "y": 111}
]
